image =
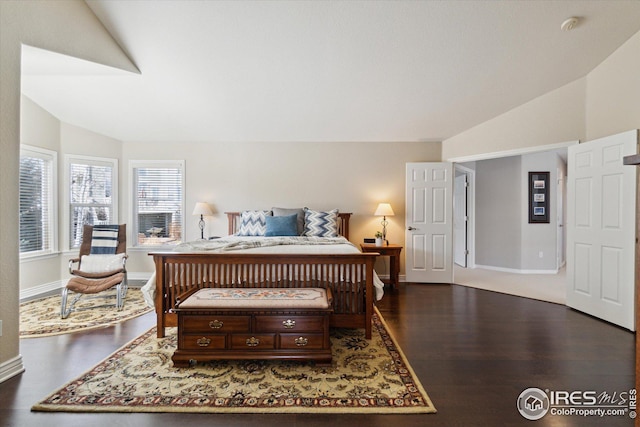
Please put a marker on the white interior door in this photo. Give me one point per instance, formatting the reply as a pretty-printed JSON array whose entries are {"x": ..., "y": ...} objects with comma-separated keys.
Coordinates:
[
  {"x": 601, "y": 207},
  {"x": 460, "y": 220},
  {"x": 429, "y": 221}
]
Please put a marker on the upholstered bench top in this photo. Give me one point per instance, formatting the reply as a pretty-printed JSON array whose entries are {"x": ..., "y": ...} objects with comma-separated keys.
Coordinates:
[{"x": 271, "y": 298}]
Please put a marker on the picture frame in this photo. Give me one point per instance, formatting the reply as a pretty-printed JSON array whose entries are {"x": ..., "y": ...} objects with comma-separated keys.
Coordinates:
[{"x": 539, "y": 197}]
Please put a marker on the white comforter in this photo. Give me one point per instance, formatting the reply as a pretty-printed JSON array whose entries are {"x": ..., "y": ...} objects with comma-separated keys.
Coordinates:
[{"x": 266, "y": 245}]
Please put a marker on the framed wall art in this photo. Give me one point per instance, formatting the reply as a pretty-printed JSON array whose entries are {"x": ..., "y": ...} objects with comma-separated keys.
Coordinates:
[{"x": 538, "y": 197}]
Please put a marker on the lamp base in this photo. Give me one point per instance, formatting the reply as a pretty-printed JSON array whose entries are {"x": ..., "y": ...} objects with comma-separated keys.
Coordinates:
[{"x": 201, "y": 225}]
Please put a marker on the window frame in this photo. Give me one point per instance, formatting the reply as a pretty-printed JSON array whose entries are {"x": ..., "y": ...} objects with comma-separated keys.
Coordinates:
[
  {"x": 133, "y": 198},
  {"x": 51, "y": 157},
  {"x": 70, "y": 159}
]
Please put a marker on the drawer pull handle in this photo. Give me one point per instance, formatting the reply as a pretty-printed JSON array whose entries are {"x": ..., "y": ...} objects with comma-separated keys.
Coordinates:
[
  {"x": 216, "y": 324},
  {"x": 204, "y": 342},
  {"x": 301, "y": 341},
  {"x": 288, "y": 324},
  {"x": 252, "y": 342}
]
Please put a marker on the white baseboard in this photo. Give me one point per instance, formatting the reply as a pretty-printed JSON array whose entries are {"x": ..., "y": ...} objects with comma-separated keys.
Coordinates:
[
  {"x": 515, "y": 271},
  {"x": 401, "y": 278},
  {"x": 139, "y": 275},
  {"x": 41, "y": 289},
  {"x": 11, "y": 368}
]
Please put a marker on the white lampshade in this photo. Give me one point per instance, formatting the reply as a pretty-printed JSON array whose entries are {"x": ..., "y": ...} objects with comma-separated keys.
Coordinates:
[
  {"x": 202, "y": 209},
  {"x": 384, "y": 209}
]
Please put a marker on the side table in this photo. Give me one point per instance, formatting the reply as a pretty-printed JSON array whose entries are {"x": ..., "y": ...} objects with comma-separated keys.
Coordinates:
[{"x": 393, "y": 252}]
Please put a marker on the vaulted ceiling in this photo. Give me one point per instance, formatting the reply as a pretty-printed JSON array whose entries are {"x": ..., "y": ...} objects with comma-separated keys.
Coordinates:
[{"x": 233, "y": 71}]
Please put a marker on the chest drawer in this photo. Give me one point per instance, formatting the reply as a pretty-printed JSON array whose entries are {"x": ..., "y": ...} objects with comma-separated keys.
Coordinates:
[
  {"x": 289, "y": 323},
  {"x": 253, "y": 342},
  {"x": 202, "y": 342},
  {"x": 217, "y": 324},
  {"x": 301, "y": 341}
]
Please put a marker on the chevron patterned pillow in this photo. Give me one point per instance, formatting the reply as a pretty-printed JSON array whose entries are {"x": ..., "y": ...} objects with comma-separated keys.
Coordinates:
[
  {"x": 253, "y": 223},
  {"x": 321, "y": 224}
]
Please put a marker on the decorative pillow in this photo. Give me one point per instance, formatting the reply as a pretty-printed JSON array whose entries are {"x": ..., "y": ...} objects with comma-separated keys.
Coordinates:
[
  {"x": 101, "y": 263},
  {"x": 282, "y": 225},
  {"x": 287, "y": 212},
  {"x": 321, "y": 224},
  {"x": 104, "y": 239},
  {"x": 253, "y": 223}
]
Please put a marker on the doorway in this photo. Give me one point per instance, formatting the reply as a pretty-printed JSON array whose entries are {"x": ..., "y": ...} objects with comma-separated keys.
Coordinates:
[{"x": 527, "y": 257}]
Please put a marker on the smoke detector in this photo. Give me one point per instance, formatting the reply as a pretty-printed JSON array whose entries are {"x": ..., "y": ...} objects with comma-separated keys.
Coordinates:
[{"x": 569, "y": 24}]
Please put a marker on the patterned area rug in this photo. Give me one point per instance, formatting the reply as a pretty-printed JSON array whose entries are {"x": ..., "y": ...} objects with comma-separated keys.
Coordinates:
[
  {"x": 41, "y": 317},
  {"x": 367, "y": 376}
]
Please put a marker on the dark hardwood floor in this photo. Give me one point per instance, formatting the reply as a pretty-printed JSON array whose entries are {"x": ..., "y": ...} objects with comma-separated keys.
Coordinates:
[{"x": 474, "y": 351}]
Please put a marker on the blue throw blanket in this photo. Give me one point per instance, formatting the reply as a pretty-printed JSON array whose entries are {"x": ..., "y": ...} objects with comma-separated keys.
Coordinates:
[{"x": 104, "y": 239}]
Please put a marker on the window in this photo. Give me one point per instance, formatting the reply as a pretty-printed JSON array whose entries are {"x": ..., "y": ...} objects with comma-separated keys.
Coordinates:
[
  {"x": 158, "y": 202},
  {"x": 37, "y": 201},
  {"x": 92, "y": 194}
]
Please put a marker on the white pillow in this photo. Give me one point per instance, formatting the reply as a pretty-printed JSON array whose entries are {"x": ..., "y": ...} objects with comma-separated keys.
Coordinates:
[{"x": 101, "y": 263}]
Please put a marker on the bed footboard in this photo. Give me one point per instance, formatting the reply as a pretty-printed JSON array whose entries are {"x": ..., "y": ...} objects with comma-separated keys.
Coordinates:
[{"x": 349, "y": 276}]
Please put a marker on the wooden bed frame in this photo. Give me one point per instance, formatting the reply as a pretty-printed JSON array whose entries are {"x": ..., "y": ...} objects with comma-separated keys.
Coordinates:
[{"x": 349, "y": 276}]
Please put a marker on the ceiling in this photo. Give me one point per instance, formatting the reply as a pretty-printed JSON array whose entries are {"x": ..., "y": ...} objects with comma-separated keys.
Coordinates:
[{"x": 234, "y": 71}]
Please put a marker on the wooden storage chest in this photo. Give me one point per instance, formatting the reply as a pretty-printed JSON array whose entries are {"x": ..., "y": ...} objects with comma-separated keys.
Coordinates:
[{"x": 253, "y": 323}]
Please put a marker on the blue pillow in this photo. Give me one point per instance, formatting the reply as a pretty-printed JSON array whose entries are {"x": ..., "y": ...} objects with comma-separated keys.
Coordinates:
[{"x": 282, "y": 225}]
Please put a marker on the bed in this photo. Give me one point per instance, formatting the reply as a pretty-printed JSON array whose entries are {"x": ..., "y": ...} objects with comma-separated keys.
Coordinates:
[{"x": 259, "y": 259}]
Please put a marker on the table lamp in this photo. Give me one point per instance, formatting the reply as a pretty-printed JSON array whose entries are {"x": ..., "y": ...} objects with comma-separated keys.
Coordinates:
[
  {"x": 202, "y": 209},
  {"x": 384, "y": 210}
]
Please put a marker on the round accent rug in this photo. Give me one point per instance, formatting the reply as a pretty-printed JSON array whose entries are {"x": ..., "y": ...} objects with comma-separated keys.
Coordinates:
[{"x": 41, "y": 317}]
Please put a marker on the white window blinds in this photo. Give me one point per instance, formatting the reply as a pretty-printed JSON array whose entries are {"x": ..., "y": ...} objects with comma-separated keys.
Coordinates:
[
  {"x": 158, "y": 203},
  {"x": 37, "y": 203},
  {"x": 92, "y": 194}
]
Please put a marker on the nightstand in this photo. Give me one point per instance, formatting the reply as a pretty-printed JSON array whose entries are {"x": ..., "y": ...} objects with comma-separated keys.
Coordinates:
[{"x": 393, "y": 252}]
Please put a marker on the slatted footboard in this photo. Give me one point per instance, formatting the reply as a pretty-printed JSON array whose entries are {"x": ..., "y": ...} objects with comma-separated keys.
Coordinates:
[{"x": 349, "y": 276}]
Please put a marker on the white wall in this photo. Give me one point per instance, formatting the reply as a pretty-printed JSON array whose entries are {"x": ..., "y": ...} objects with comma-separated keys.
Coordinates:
[
  {"x": 605, "y": 102},
  {"x": 550, "y": 119},
  {"x": 38, "y": 128},
  {"x": 504, "y": 238},
  {"x": 48, "y": 25},
  {"x": 353, "y": 177},
  {"x": 539, "y": 238},
  {"x": 498, "y": 213},
  {"x": 613, "y": 92}
]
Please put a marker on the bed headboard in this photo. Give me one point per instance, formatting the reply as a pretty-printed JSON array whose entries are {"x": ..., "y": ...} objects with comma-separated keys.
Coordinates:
[{"x": 343, "y": 223}]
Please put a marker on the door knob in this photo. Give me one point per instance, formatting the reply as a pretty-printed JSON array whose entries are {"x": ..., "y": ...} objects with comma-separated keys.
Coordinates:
[{"x": 411, "y": 228}]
